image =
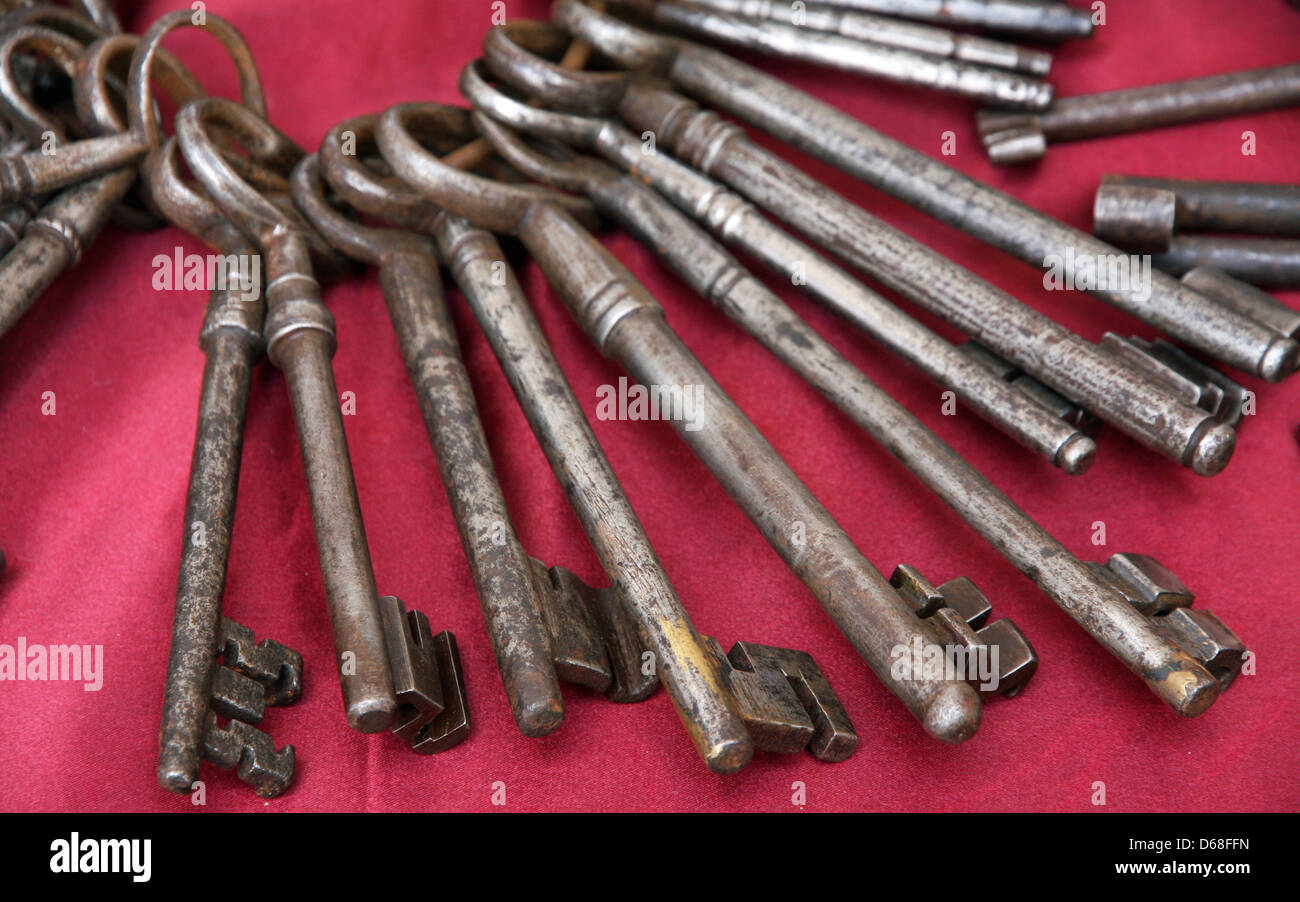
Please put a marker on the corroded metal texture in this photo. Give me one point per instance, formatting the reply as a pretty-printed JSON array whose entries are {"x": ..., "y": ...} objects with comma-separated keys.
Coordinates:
[
  {"x": 982, "y": 211},
  {"x": 1036, "y": 343},
  {"x": 989, "y": 84},
  {"x": 861, "y": 26},
  {"x": 502, "y": 571},
  {"x": 1137, "y": 109},
  {"x": 735, "y": 221},
  {"x": 643, "y": 589},
  {"x": 1245, "y": 299},
  {"x": 1031, "y": 18},
  {"x": 627, "y": 324},
  {"x": 300, "y": 341},
  {"x": 1199, "y": 206},
  {"x": 1265, "y": 262},
  {"x": 718, "y": 277}
]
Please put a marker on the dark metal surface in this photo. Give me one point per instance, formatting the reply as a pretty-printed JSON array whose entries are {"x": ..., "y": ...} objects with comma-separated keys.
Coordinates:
[
  {"x": 984, "y": 212},
  {"x": 786, "y": 701},
  {"x": 1264, "y": 262},
  {"x": 1204, "y": 206},
  {"x": 732, "y": 219},
  {"x": 1034, "y": 342},
  {"x": 627, "y": 324},
  {"x": 1030, "y": 18},
  {"x": 860, "y": 26},
  {"x": 721, "y": 279},
  {"x": 300, "y": 341},
  {"x": 640, "y": 585},
  {"x": 502, "y": 572},
  {"x": 989, "y": 84},
  {"x": 1011, "y": 138},
  {"x": 1245, "y": 299}
]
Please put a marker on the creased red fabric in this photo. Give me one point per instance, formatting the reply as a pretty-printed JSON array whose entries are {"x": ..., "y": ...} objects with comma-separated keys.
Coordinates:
[{"x": 93, "y": 495}]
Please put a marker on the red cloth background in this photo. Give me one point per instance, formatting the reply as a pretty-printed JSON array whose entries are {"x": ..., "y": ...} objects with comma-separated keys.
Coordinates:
[{"x": 93, "y": 497}]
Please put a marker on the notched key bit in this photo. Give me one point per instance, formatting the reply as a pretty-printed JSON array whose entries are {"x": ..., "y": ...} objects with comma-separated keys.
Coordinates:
[
  {"x": 249, "y": 677},
  {"x": 1184, "y": 375},
  {"x": 786, "y": 701},
  {"x": 1160, "y": 595},
  {"x": 428, "y": 681},
  {"x": 593, "y": 641},
  {"x": 960, "y": 613},
  {"x": 277, "y": 668},
  {"x": 252, "y": 753}
]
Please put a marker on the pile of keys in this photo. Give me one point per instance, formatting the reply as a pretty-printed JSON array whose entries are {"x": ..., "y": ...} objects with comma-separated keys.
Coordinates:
[{"x": 544, "y": 152}]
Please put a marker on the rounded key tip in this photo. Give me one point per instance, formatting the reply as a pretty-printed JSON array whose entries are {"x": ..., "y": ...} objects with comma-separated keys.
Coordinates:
[
  {"x": 1280, "y": 360},
  {"x": 540, "y": 717},
  {"x": 954, "y": 714},
  {"x": 174, "y": 780},
  {"x": 370, "y": 715},
  {"x": 1198, "y": 693},
  {"x": 1214, "y": 449},
  {"x": 1077, "y": 454},
  {"x": 729, "y": 755}
]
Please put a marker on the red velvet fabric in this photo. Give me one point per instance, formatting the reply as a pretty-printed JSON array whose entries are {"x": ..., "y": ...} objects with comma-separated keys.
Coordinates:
[{"x": 93, "y": 495}]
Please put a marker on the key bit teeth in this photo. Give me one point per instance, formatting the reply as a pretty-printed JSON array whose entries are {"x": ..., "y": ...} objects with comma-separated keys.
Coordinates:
[
  {"x": 593, "y": 641},
  {"x": 998, "y": 659},
  {"x": 785, "y": 700},
  {"x": 1157, "y": 593},
  {"x": 236, "y": 697},
  {"x": 276, "y": 667},
  {"x": 451, "y": 726},
  {"x": 1207, "y": 639},
  {"x": 252, "y": 753},
  {"x": 432, "y": 714}
]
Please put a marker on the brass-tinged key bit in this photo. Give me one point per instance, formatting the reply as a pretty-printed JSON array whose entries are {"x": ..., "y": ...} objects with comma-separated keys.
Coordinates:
[{"x": 1161, "y": 596}]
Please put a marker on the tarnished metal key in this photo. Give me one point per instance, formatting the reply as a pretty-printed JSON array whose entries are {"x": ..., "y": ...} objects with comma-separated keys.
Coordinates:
[
  {"x": 1031, "y": 18},
  {"x": 986, "y": 83},
  {"x": 1039, "y": 345},
  {"x": 545, "y": 625},
  {"x": 627, "y": 324},
  {"x": 1011, "y": 138},
  {"x": 957, "y": 610},
  {"x": 861, "y": 26},
  {"x": 643, "y": 593},
  {"x": 735, "y": 221},
  {"x": 984, "y": 212},
  {"x": 1141, "y": 213},
  {"x": 300, "y": 341},
  {"x": 1245, "y": 299}
]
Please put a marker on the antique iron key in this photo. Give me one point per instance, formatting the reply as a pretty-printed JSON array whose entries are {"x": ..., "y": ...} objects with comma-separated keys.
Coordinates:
[{"x": 627, "y": 324}]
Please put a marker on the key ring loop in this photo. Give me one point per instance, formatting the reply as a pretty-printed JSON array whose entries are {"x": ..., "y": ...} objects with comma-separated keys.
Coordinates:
[
  {"x": 26, "y": 116},
  {"x": 518, "y": 53},
  {"x": 568, "y": 128},
  {"x": 140, "y": 108}
]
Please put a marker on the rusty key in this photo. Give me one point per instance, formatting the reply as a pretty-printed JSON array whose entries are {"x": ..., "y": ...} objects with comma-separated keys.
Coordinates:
[
  {"x": 986, "y": 83},
  {"x": 873, "y": 29},
  {"x": 627, "y": 324},
  {"x": 957, "y": 610},
  {"x": 1039, "y": 345},
  {"x": 990, "y": 215},
  {"x": 300, "y": 341},
  {"x": 1012, "y": 139},
  {"x": 1041, "y": 19},
  {"x": 595, "y": 636},
  {"x": 643, "y": 595},
  {"x": 735, "y": 221}
]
